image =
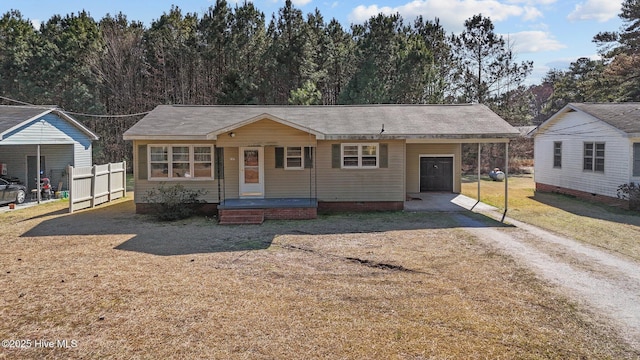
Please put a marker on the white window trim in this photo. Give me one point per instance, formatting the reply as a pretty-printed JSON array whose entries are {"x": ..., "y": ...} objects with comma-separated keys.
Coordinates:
[
  {"x": 286, "y": 156},
  {"x": 360, "y": 146},
  {"x": 553, "y": 162},
  {"x": 170, "y": 161},
  {"x": 594, "y": 156}
]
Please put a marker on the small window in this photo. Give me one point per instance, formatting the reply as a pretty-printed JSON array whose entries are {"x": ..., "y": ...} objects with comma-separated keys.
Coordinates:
[
  {"x": 593, "y": 159},
  {"x": 557, "y": 154},
  {"x": 180, "y": 161},
  {"x": 294, "y": 160},
  {"x": 359, "y": 156}
]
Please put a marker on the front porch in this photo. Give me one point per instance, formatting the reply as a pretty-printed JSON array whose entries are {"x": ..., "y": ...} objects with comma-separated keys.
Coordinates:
[{"x": 256, "y": 210}]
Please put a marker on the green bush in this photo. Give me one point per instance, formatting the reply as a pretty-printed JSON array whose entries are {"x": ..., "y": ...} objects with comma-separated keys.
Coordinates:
[
  {"x": 631, "y": 192},
  {"x": 173, "y": 202}
]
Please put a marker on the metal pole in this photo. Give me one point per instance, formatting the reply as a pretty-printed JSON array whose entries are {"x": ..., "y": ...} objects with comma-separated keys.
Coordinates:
[
  {"x": 38, "y": 171},
  {"x": 479, "y": 166},
  {"x": 506, "y": 180}
]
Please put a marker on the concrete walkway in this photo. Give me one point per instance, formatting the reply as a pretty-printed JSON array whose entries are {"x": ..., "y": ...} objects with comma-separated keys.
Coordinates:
[
  {"x": 444, "y": 202},
  {"x": 26, "y": 204},
  {"x": 606, "y": 283}
]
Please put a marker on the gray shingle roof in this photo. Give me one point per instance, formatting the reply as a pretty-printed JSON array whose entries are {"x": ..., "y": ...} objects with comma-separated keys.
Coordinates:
[
  {"x": 623, "y": 116},
  {"x": 12, "y": 115},
  {"x": 401, "y": 121}
]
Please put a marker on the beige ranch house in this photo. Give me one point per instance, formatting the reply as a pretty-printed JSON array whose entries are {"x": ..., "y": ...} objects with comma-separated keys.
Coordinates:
[{"x": 289, "y": 162}]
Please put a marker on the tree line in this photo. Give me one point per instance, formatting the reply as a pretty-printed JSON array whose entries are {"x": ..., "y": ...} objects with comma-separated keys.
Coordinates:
[{"x": 234, "y": 55}]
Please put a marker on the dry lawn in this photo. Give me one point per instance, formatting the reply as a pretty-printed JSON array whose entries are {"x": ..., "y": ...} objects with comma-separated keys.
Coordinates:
[
  {"x": 375, "y": 286},
  {"x": 593, "y": 223}
]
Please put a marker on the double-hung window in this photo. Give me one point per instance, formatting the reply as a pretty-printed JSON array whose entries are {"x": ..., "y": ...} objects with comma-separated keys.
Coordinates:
[
  {"x": 360, "y": 156},
  {"x": 557, "y": 154},
  {"x": 293, "y": 158},
  {"x": 180, "y": 161},
  {"x": 593, "y": 159}
]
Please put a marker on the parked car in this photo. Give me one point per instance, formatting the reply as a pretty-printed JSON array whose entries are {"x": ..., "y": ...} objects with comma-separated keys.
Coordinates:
[
  {"x": 11, "y": 179},
  {"x": 12, "y": 193}
]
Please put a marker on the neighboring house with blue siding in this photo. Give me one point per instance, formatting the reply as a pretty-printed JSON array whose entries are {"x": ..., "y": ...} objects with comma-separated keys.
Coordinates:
[
  {"x": 588, "y": 150},
  {"x": 62, "y": 141}
]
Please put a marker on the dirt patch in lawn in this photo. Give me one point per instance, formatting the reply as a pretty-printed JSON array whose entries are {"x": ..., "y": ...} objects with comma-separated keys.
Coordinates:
[{"x": 393, "y": 285}]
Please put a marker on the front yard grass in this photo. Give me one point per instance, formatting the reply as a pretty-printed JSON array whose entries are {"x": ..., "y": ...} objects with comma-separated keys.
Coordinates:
[
  {"x": 373, "y": 286},
  {"x": 601, "y": 225}
]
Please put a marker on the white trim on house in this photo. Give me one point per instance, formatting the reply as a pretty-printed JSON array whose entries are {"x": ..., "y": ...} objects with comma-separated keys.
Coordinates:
[
  {"x": 190, "y": 174},
  {"x": 360, "y": 156},
  {"x": 265, "y": 116}
]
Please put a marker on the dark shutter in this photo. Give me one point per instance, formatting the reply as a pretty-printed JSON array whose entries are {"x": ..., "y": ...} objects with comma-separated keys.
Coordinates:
[
  {"x": 335, "y": 156},
  {"x": 308, "y": 157},
  {"x": 142, "y": 162},
  {"x": 279, "y": 158},
  {"x": 384, "y": 155},
  {"x": 219, "y": 162},
  {"x": 636, "y": 159}
]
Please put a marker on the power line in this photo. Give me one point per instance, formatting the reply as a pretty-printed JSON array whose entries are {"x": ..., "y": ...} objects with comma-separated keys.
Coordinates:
[
  {"x": 106, "y": 116},
  {"x": 16, "y": 101},
  {"x": 81, "y": 114}
]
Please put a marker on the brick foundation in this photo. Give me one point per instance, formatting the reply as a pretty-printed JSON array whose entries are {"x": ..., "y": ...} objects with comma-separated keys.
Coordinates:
[
  {"x": 582, "y": 195},
  {"x": 359, "y": 206},
  {"x": 301, "y": 213},
  {"x": 257, "y": 216},
  {"x": 203, "y": 209},
  {"x": 290, "y": 213}
]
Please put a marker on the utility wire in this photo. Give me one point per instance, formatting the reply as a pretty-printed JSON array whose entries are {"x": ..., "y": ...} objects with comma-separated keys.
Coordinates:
[
  {"x": 81, "y": 114},
  {"x": 16, "y": 101},
  {"x": 106, "y": 116}
]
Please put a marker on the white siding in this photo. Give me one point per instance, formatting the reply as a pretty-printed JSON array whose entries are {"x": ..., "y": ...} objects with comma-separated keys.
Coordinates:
[{"x": 573, "y": 129}]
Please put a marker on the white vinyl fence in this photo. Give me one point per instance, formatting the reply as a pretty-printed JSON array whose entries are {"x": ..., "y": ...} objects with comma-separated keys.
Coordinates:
[{"x": 97, "y": 184}]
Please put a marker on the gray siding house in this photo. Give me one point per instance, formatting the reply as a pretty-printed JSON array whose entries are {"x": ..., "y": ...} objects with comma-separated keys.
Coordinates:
[
  {"x": 61, "y": 140},
  {"x": 290, "y": 161},
  {"x": 588, "y": 150}
]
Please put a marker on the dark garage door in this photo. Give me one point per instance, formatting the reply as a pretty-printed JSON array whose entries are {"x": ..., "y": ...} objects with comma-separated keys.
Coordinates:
[{"x": 436, "y": 174}]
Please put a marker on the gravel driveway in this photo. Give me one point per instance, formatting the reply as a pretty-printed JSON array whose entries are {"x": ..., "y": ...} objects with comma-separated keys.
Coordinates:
[{"x": 606, "y": 283}]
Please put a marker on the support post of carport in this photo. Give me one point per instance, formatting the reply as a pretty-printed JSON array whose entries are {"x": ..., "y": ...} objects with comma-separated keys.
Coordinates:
[
  {"x": 38, "y": 173},
  {"x": 478, "y": 166},
  {"x": 506, "y": 179}
]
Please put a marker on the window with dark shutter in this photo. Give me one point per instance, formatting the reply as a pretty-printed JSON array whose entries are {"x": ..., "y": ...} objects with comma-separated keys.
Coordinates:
[
  {"x": 308, "y": 157},
  {"x": 220, "y": 162},
  {"x": 279, "y": 157},
  {"x": 142, "y": 162},
  {"x": 336, "y": 156},
  {"x": 636, "y": 159}
]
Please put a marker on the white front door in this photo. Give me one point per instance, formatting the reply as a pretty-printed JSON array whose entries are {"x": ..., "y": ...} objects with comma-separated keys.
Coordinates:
[{"x": 251, "y": 172}]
